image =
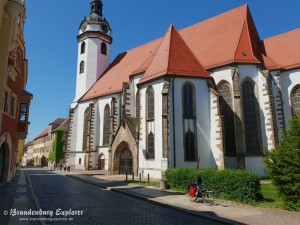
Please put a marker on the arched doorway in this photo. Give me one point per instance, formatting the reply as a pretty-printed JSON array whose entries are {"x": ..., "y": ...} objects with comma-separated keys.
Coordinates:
[
  {"x": 126, "y": 161},
  {"x": 2, "y": 162},
  {"x": 101, "y": 162}
]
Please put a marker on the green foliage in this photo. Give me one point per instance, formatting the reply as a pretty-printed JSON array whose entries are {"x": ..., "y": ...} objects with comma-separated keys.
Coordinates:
[
  {"x": 271, "y": 198},
  {"x": 283, "y": 165},
  {"x": 57, "y": 152},
  {"x": 238, "y": 185}
]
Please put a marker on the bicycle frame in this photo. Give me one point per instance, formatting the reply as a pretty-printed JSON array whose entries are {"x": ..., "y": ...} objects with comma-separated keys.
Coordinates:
[{"x": 199, "y": 192}]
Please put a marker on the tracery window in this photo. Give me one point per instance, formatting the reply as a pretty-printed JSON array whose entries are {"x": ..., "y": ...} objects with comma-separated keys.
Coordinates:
[
  {"x": 189, "y": 144},
  {"x": 251, "y": 118},
  {"x": 150, "y": 153},
  {"x": 150, "y": 103},
  {"x": 227, "y": 115},
  {"x": 106, "y": 125},
  {"x": 86, "y": 129},
  {"x": 295, "y": 100},
  {"x": 188, "y": 101}
]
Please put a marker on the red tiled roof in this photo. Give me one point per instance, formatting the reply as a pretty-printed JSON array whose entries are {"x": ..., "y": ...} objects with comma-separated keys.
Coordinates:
[
  {"x": 224, "y": 39},
  {"x": 44, "y": 133},
  {"x": 120, "y": 70},
  {"x": 284, "y": 49},
  {"x": 173, "y": 56}
]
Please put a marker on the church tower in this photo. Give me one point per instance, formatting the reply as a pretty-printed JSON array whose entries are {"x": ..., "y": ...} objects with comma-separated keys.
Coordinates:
[{"x": 94, "y": 42}]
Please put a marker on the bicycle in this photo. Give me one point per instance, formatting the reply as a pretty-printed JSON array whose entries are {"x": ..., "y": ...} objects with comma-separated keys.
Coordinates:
[{"x": 207, "y": 196}]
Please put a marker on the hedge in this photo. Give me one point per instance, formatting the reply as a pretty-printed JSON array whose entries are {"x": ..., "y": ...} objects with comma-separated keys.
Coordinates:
[{"x": 239, "y": 185}]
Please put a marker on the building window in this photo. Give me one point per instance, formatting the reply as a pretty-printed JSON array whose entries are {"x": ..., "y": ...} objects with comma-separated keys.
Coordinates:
[
  {"x": 79, "y": 161},
  {"x": 103, "y": 48},
  {"x": 251, "y": 118},
  {"x": 82, "y": 48},
  {"x": 295, "y": 100},
  {"x": 106, "y": 125},
  {"x": 227, "y": 116},
  {"x": 23, "y": 112},
  {"x": 189, "y": 144},
  {"x": 5, "y": 102},
  {"x": 150, "y": 153},
  {"x": 81, "y": 68},
  {"x": 188, "y": 101},
  {"x": 150, "y": 103},
  {"x": 86, "y": 129}
]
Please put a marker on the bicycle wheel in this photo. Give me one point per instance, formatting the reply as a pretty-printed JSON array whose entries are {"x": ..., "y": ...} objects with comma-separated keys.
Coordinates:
[
  {"x": 209, "y": 198},
  {"x": 193, "y": 195}
]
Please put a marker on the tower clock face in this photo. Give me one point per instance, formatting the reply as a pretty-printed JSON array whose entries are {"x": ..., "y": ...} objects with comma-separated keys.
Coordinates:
[{"x": 104, "y": 27}]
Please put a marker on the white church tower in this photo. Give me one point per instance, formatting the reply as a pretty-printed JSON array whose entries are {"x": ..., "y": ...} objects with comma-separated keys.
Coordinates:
[{"x": 94, "y": 42}]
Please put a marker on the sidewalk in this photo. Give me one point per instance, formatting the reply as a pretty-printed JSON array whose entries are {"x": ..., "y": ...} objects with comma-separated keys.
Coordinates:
[
  {"x": 225, "y": 212},
  {"x": 16, "y": 195}
]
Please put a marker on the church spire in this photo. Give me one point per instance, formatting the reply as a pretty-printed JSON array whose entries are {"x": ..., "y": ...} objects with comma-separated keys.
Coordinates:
[{"x": 96, "y": 7}]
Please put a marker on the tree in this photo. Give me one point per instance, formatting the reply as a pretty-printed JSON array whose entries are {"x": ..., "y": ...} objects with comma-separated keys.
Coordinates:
[{"x": 283, "y": 165}]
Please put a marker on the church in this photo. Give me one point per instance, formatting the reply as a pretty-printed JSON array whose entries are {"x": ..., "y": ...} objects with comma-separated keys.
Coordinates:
[{"x": 213, "y": 92}]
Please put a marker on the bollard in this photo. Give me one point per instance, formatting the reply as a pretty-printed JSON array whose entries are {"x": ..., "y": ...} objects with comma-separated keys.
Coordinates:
[
  {"x": 126, "y": 176},
  {"x": 140, "y": 178},
  {"x": 148, "y": 179},
  {"x": 132, "y": 176}
]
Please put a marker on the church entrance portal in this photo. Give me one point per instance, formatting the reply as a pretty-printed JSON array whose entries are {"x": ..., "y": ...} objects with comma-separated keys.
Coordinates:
[
  {"x": 101, "y": 162},
  {"x": 126, "y": 161}
]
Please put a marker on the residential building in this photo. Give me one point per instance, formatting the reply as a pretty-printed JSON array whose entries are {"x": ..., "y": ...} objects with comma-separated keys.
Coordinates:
[
  {"x": 15, "y": 100},
  {"x": 213, "y": 92},
  {"x": 27, "y": 159},
  {"x": 43, "y": 143}
]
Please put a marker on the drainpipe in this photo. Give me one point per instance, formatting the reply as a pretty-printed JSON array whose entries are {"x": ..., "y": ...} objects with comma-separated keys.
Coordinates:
[{"x": 174, "y": 144}]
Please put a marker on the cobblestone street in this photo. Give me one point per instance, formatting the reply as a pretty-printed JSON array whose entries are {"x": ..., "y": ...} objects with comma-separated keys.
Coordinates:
[{"x": 98, "y": 206}]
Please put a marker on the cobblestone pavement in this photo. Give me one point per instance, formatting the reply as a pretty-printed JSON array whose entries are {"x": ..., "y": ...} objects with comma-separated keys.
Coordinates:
[
  {"x": 16, "y": 195},
  {"x": 100, "y": 206},
  {"x": 228, "y": 212}
]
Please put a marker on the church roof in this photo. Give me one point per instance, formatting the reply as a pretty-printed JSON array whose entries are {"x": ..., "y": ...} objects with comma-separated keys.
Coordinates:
[
  {"x": 222, "y": 40},
  {"x": 173, "y": 56},
  {"x": 284, "y": 49}
]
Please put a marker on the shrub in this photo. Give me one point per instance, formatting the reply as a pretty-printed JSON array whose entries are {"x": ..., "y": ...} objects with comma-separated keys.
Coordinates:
[
  {"x": 283, "y": 165},
  {"x": 57, "y": 152},
  {"x": 238, "y": 185}
]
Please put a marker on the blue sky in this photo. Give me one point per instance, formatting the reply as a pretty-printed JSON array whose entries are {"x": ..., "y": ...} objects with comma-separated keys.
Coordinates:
[{"x": 51, "y": 28}]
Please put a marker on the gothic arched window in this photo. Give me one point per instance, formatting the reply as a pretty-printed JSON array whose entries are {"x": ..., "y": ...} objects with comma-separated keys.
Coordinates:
[
  {"x": 150, "y": 153},
  {"x": 81, "y": 67},
  {"x": 188, "y": 101},
  {"x": 295, "y": 100},
  {"x": 103, "y": 48},
  {"x": 251, "y": 118},
  {"x": 227, "y": 115},
  {"x": 106, "y": 125},
  {"x": 86, "y": 129},
  {"x": 82, "y": 48},
  {"x": 189, "y": 146},
  {"x": 150, "y": 103}
]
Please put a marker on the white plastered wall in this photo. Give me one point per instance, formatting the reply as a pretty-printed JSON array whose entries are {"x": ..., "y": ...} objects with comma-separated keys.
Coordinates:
[{"x": 151, "y": 167}]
